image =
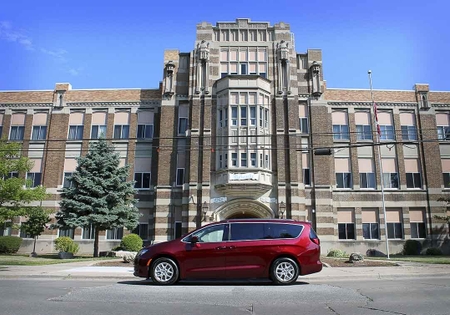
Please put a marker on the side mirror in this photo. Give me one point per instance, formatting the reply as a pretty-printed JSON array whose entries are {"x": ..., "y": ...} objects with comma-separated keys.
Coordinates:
[{"x": 194, "y": 239}]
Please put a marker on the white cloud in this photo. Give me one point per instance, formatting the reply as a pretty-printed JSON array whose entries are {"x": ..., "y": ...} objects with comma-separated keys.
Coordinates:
[
  {"x": 8, "y": 33},
  {"x": 58, "y": 54}
]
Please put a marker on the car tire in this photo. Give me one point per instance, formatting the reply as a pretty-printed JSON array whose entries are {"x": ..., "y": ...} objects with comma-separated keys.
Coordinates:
[
  {"x": 284, "y": 271},
  {"x": 164, "y": 271}
]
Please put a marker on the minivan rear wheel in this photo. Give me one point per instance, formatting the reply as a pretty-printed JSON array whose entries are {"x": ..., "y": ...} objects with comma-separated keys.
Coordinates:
[
  {"x": 164, "y": 271},
  {"x": 284, "y": 271}
]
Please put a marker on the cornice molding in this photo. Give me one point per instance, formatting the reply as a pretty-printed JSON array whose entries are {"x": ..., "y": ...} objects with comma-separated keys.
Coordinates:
[
  {"x": 369, "y": 104},
  {"x": 25, "y": 105},
  {"x": 114, "y": 104}
]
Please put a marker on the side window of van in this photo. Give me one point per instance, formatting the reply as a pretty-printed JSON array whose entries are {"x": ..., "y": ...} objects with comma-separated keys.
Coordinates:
[
  {"x": 211, "y": 234},
  {"x": 277, "y": 230},
  {"x": 247, "y": 231}
]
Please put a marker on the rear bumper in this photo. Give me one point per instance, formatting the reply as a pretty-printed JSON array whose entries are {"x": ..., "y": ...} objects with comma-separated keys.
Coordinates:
[{"x": 310, "y": 268}]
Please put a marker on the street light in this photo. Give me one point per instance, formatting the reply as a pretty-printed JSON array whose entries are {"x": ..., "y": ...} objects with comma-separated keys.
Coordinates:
[
  {"x": 281, "y": 209},
  {"x": 205, "y": 209}
]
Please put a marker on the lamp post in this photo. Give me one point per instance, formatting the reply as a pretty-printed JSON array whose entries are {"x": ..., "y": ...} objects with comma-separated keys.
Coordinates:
[
  {"x": 281, "y": 210},
  {"x": 205, "y": 208}
]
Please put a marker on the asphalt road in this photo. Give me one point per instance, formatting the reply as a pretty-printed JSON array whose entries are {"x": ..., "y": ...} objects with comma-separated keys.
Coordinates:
[{"x": 424, "y": 295}]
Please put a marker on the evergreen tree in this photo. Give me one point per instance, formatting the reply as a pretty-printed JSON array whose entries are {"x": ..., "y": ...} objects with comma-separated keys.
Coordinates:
[
  {"x": 99, "y": 196},
  {"x": 15, "y": 193},
  {"x": 35, "y": 225}
]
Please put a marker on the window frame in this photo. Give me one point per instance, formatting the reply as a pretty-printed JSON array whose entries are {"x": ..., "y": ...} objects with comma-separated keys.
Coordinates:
[
  {"x": 139, "y": 184},
  {"x": 124, "y": 132},
  {"x": 77, "y": 135},
  {"x": 41, "y": 133},
  {"x": 19, "y": 133}
]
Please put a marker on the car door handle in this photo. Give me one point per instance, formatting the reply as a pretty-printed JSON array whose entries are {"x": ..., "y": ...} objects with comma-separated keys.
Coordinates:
[
  {"x": 221, "y": 247},
  {"x": 231, "y": 247}
]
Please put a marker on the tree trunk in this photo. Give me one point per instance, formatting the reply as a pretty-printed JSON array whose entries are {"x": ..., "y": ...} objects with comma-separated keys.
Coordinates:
[
  {"x": 96, "y": 242},
  {"x": 34, "y": 245}
]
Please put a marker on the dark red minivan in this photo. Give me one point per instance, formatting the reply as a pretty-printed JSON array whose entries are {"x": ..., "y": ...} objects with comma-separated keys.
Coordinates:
[{"x": 234, "y": 249}]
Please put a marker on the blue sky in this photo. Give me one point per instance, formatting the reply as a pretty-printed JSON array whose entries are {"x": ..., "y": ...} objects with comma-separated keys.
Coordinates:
[{"x": 120, "y": 44}]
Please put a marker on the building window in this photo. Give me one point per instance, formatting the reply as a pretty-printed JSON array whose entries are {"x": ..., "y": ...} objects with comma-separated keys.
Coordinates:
[
  {"x": 34, "y": 179},
  {"x": 303, "y": 122},
  {"x": 390, "y": 180},
  {"x": 39, "y": 133},
  {"x": 446, "y": 180},
  {"x": 266, "y": 118},
  {"x": 234, "y": 115},
  {"x": 121, "y": 131},
  {"x": 178, "y": 229},
  {"x": 346, "y": 225},
  {"x": 343, "y": 173},
  {"x": 306, "y": 177},
  {"x": 182, "y": 125},
  {"x": 253, "y": 159},
  {"x": 252, "y": 115},
  {"x": 367, "y": 180},
  {"x": 233, "y": 159},
  {"x": 17, "y": 133},
  {"x": 266, "y": 161},
  {"x": 343, "y": 180},
  {"x": 363, "y": 132},
  {"x": 244, "y": 159},
  {"x": 114, "y": 234},
  {"x": 371, "y": 231},
  {"x": 261, "y": 116},
  {"x": 75, "y": 133},
  {"x": 418, "y": 230},
  {"x": 340, "y": 132},
  {"x": 13, "y": 175},
  {"x": 142, "y": 230},
  {"x": 67, "y": 182},
  {"x": 88, "y": 233},
  {"x": 68, "y": 232},
  {"x": 395, "y": 230},
  {"x": 145, "y": 132},
  {"x": 340, "y": 125},
  {"x": 443, "y": 132},
  {"x": 409, "y": 133},
  {"x": 24, "y": 234},
  {"x": 346, "y": 231},
  {"x": 98, "y": 131},
  {"x": 243, "y": 115},
  {"x": 180, "y": 176},
  {"x": 443, "y": 125},
  {"x": 387, "y": 132},
  {"x": 142, "y": 180},
  {"x": 413, "y": 180}
]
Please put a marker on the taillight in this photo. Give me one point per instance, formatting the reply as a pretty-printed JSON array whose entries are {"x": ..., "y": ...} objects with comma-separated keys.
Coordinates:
[
  {"x": 315, "y": 241},
  {"x": 313, "y": 237}
]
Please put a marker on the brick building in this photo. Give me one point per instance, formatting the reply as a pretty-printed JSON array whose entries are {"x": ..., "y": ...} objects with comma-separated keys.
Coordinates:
[{"x": 231, "y": 133}]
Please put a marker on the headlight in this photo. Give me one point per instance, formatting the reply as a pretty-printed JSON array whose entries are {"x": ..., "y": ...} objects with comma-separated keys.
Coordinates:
[{"x": 142, "y": 251}]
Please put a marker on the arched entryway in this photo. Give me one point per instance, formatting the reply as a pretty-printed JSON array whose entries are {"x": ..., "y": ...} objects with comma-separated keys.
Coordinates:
[{"x": 243, "y": 209}]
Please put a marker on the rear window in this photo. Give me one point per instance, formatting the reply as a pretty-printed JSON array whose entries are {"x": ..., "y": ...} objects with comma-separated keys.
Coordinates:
[{"x": 259, "y": 231}]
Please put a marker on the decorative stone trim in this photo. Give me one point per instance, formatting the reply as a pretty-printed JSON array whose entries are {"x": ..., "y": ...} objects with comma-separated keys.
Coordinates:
[
  {"x": 26, "y": 105},
  {"x": 113, "y": 104},
  {"x": 369, "y": 104}
]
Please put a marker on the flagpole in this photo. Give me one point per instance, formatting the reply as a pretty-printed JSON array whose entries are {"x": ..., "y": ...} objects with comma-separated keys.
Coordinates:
[{"x": 380, "y": 161}]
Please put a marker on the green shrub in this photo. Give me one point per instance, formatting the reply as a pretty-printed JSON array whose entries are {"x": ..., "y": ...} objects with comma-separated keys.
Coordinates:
[
  {"x": 337, "y": 253},
  {"x": 132, "y": 243},
  {"x": 434, "y": 251},
  {"x": 9, "y": 244},
  {"x": 412, "y": 247},
  {"x": 66, "y": 244}
]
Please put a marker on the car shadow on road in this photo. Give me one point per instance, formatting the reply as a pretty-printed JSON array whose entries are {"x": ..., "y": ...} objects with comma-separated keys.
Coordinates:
[{"x": 212, "y": 283}]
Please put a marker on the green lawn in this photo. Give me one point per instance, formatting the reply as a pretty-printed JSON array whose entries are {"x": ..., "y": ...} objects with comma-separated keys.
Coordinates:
[{"x": 17, "y": 260}]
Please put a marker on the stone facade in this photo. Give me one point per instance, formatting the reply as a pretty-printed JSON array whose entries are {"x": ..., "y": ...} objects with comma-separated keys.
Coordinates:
[{"x": 234, "y": 127}]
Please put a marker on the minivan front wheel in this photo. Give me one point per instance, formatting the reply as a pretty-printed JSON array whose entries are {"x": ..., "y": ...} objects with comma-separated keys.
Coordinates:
[
  {"x": 284, "y": 271},
  {"x": 164, "y": 271}
]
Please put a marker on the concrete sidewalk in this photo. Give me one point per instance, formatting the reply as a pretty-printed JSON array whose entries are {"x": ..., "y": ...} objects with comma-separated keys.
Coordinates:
[{"x": 87, "y": 270}]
